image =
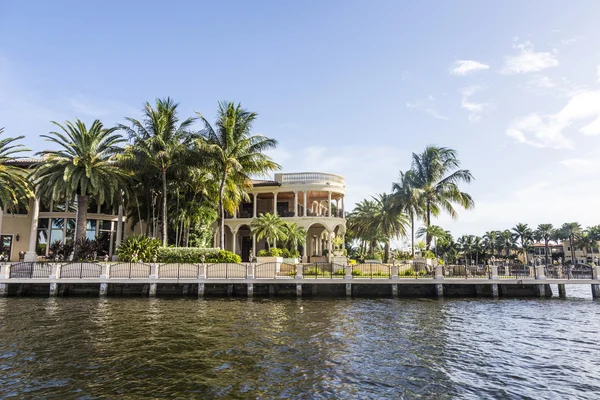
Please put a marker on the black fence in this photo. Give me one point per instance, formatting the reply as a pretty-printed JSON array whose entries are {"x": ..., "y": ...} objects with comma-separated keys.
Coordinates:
[
  {"x": 28, "y": 270},
  {"x": 324, "y": 270},
  {"x": 81, "y": 270},
  {"x": 227, "y": 271},
  {"x": 273, "y": 270},
  {"x": 178, "y": 271},
  {"x": 129, "y": 270},
  {"x": 579, "y": 271},
  {"x": 372, "y": 271},
  {"x": 516, "y": 271}
]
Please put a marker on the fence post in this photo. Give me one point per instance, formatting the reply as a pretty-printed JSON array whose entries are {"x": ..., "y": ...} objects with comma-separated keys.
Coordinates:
[
  {"x": 596, "y": 272},
  {"x": 154, "y": 271},
  {"x": 202, "y": 271},
  {"x": 250, "y": 273},
  {"x": 540, "y": 272},
  {"x": 300, "y": 274},
  {"x": 55, "y": 271},
  {"x": 4, "y": 271},
  {"x": 439, "y": 272},
  {"x": 494, "y": 269},
  {"x": 348, "y": 272},
  {"x": 105, "y": 274},
  {"x": 394, "y": 271}
]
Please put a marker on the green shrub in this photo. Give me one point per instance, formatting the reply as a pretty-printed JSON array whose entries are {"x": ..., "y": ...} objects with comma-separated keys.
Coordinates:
[
  {"x": 407, "y": 272},
  {"x": 195, "y": 255},
  {"x": 340, "y": 272},
  {"x": 381, "y": 274},
  {"x": 272, "y": 252},
  {"x": 357, "y": 272},
  {"x": 313, "y": 271},
  {"x": 286, "y": 253},
  {"x": 138, "y": 248}
]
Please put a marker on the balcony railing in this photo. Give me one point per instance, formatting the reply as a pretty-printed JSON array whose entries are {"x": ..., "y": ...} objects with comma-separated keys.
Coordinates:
[{"x": 311, "y": 177}]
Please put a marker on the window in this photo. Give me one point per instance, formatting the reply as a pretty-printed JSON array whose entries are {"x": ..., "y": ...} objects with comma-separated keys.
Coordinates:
[
  {"x": 42, "y": 236},
  {"x": 90, "y": 229},
  {"x": 70, "y": 232},
  {"x": 56, "y": 230}
]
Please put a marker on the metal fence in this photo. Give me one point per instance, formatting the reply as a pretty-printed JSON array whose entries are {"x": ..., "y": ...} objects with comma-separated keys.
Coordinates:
[
  {"x": 274, "y": 270},
  {"x": 178, "y": 271},
  {"x": 415, "y": 270},
  {"x": 324, "y": 270},
  {"x": 516, "y": 271},
  {"x": 30, "y": 270},
  {"x": 578, "y": 271},
  {"x": 81, "y": 270},
  {"x": 129, "y": 270},
  {"x": 372, "y": 271},
  {"x": 227, "y": 271}
]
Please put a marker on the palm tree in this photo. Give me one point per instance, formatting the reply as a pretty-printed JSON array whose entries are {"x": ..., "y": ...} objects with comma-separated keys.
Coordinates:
[
  {"x": 362, "y": 222},
  {"x": 85, "y": 165},
  {"x": 270, "y": 227},
  {"x": 14, "y": 185},
  {"x": 545, "y": 233},
  {"x": 522, "y": 233},
  {"x": 234, "y": 153},
  {"x": 408, "y": 201},
  {"x": 466, "y": 243},
  {"x": 436, "y": 177},
  {"x": 570, "y": 230},
  {"x": 585, "y": 242},
  {"x": 160, "y": 141},
  {"x": 295, "y": 235},
  {"x": 506, "y": 241},
  {"x": 434, "y": 232},
  {"x": 490, "y": 240},
  {"x": 388, "y": 220}
]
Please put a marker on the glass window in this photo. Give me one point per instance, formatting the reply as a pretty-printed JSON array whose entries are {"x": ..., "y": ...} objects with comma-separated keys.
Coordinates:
[
  {"x": 56, "y": 232},
  {"x": 43, "y": 223},
  {"x": 71, "y": 225},
  {"x": 105, "y": 225},
  {"x": 90, "y": 229},
  {"x": 42, "y": 242}
]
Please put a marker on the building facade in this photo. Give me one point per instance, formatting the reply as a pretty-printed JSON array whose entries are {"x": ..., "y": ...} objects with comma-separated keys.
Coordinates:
[
  {"x": 562, "y": 250},
  {"x": 27, "y": 233},
  {"x": 313, "y": 200}
]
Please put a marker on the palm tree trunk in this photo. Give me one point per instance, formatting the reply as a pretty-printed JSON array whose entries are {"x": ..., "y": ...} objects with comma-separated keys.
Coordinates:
[
  {"x": 164, "y": 207},
  {"x": 428, "y": 223},
  {"x": 82, "y": 206},
  {"x": 222, "y": 212},
  {"x": 572, "y": 243},
  {"x": 412, "y": 234},
  {"x": 546, "y": 250},
  {"x": 388, "y": 245}
]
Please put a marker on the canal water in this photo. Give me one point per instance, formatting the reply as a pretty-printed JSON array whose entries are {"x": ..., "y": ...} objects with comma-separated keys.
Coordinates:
[{"x": 311, "y": 348}]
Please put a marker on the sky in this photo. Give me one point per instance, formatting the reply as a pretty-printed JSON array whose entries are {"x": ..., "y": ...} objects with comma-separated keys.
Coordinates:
[{"x": 347, "y": 87}]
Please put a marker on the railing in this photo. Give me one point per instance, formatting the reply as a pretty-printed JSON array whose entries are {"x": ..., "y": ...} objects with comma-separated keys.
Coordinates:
[
  {"x": 178, "y": 271},
  {"x": 311, "y": 177},
  {"x": 321, "y": 270},
  {"x": 372, "y": 271},
  {"x": 466, "y": 271},
  {"x": 273, "y": 270},
  {"x": 129, "y": 270},
  {"x": 227, "y": 271},
  {"x": 81, "y": 270},
  {"x": 517, "y": 271},
  {"x": 30, "y": 270},
  {"x": 415, "y": 270},
  {"x": 579, "y": 271}
]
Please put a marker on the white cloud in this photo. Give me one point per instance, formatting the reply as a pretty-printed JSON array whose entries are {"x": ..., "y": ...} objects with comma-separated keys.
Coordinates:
[
  {"x": 572, "y": 40},
  {"x": 598, "y": 73},
  {"x": 542, "y": 82},
  {"x": 476, "y": 110},
  {"x": 548, "y": 130},
  {"x": 428, "y": 106},
  {"x": 528, "y": 60},
  {"x": 464, "y": 67}
]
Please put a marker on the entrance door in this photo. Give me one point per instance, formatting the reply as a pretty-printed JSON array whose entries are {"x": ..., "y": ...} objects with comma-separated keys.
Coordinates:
[
  {"x": 246, "y": 245},
  {"x": 6, "y": 246}
]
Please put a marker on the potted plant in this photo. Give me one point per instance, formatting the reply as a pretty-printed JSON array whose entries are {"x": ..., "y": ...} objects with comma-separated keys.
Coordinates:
[{"x": 338, "y": 242}]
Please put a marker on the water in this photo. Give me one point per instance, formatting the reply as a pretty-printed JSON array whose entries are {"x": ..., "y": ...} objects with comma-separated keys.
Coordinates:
[{"x": 278, "y": 348}]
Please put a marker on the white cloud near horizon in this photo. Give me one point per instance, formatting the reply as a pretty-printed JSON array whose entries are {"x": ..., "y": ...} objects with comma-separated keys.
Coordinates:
[
  {"x": 465, "y": 67},
  {"x": 528, "y": 60},
  {"x": 476, "y": 110},
  {"x": 548, "y": 130}
]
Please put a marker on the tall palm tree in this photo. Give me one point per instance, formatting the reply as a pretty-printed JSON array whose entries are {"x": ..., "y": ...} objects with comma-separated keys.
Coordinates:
[
  {"x": 490, "y": 240},
  {"x": 295, "y": 235},
  {"x": 160, "y": 141},
  {"x": 85, "y": 165},
  {"x": 408, "y": 201},
  {"x": 571, "y": 230},
  {"x": 362, "y": 222},
  {"x": 506, "y": 241},
  {"x": 524, "y": 234},
  {"x": 434, "y": 232},
  {"x": 388, "y": 220},
  {"x": 234, "y": 153},
  {"x": 437, "y": 176},
  {"x": 466, "y": 243},
  {"x": 585, "y": 242},
  {"x": 545, "y": 233},
  {"x": 270, "y": 227},
  {"x": 14, "y": 185}
]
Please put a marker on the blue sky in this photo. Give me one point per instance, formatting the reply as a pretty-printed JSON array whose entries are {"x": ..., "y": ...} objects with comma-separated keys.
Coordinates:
[{"x": 345, "y": 86}]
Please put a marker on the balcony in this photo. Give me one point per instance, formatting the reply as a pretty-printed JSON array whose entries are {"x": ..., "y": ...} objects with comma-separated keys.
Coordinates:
[{"x": 307, "y": 178}]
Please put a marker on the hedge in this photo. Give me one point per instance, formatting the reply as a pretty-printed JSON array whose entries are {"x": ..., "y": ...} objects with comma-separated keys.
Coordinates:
[{"x": 194, "y": 255}]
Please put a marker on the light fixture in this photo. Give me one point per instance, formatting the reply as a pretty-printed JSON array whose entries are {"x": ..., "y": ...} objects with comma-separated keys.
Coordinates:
[{"x": 17, "y": 237}]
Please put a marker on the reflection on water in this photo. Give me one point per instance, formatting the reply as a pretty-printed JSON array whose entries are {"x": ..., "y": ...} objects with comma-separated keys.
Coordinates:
[{"x": 473, "y": 348}]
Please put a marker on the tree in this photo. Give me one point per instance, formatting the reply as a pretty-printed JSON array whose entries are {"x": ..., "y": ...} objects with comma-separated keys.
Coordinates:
[
  {"x": 466, "y": 245},
  {"x": 362, "y": 222},
  {"x": 506, "y": 241},
  {"x": 436, "y": 178},
  {"x": 408, "y": 201},
  {"x": 85, "y": 165},
  {"x": 570, "y": 230},
  {"x": 490, "y": 241},
  {"x": 545, "y": 233},
  {"x": 234, "y": 153},
  {"x": 14, "y": 185},
  {"x": 295, "y": 235},
  {"x": 432, "y": 231},
  {"x": 270, "y": 227},
  {"x": 585, "y": 242},
  {"x": 160, "y": 141},
  {"x": 388, "y": 220},
  {"x": 522, "y": 233}
]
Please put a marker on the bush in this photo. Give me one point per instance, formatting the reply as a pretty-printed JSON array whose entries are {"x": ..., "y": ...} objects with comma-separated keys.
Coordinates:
[
  {"x": 195, "y": 255},
  {"x": 286, "y": 253},
  {"x": 60, "y": 251},
  {"x": 272, "y": 252},
  {"x": 313, "y": 271},
  {"x": 356, "y": 272},
  {"x": 340, "y": 272},
  {"x": 138, "y": 248},
  {"x": 85, "y": 250},
  {"x": 407, "y": 272}
]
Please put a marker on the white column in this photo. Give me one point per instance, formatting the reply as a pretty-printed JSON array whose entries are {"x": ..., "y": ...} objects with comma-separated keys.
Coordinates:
[
  {"x": 305, "y": 204},
  {"x": 253, "y": 245},
  {"x": 295, "y": 203},
  {"x": 119, "y": 237},
  {"x": 35, "y": 212},
  {"x": 274, "y": 203},
  {"x": 343, "y": 214},
  {"x": 329, "y": 203},
  {"x": 254, "y": 208},
  {"x": 234, "y": 240}
]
